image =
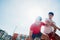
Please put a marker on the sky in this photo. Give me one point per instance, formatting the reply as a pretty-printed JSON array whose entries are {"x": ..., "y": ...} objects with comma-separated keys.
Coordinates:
[{"x": 17, "y": 15}]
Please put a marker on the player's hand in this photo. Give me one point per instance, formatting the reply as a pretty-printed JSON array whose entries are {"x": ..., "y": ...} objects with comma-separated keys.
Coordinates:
[
  {"x": 53, "y": 34},
  {"x": 46, "y": 35}
]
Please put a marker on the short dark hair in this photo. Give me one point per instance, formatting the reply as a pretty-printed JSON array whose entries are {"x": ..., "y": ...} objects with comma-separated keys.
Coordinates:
[{"x": 51, "y": 13}]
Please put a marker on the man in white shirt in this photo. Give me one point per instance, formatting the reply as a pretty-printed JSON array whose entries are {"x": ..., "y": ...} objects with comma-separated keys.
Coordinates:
[{"x": 50, "y": 28}]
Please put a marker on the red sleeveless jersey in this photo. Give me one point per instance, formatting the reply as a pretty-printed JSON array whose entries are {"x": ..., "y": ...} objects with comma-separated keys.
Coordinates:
[{"x": 36, "y": 28}]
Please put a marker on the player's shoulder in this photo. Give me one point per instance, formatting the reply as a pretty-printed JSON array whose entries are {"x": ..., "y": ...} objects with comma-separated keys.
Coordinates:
[
  {"x": 42, "y": 23},
  {"x": 33, "y": 24}
]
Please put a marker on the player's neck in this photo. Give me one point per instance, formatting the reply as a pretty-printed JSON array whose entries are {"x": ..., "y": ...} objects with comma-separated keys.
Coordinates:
[{"x": 50, "y": 18}]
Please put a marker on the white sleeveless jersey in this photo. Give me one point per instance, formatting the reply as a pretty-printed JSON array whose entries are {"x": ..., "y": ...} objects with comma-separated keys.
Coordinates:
[{"x": 49, "y": 29}]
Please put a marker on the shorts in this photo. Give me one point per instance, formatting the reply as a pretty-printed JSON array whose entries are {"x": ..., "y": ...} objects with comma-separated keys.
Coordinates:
[
  {"x": 50, "y": 36},
  {"x": 37, "y": 35}
]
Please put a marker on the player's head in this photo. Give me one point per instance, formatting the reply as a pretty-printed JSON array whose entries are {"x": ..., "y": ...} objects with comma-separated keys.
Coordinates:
[
  {"x": 50, "y": 14},
  {"x": 39, "y": 18}
]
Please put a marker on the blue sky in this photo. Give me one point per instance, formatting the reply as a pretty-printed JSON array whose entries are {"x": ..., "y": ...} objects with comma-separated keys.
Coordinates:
[{"x": 20, "y": 14}]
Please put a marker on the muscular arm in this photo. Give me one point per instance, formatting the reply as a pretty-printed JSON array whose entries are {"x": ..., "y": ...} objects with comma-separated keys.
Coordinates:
[
  {"x": 30, "y": 33},
  {"x": 55, "y": 27}
]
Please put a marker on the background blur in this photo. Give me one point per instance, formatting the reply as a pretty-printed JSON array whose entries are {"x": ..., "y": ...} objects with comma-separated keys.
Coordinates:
[{"x": 18, "y": 15}]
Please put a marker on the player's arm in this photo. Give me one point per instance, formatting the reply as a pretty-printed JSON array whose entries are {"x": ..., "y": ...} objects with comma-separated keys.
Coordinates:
[
  {"x": 30, "y": 33},
  {"x": 42, "y": 23},
  {"x": 55, "y": 27}
]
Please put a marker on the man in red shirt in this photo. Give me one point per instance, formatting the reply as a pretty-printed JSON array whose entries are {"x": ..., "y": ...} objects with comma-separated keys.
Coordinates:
[{"x": 35, "y": 29}]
